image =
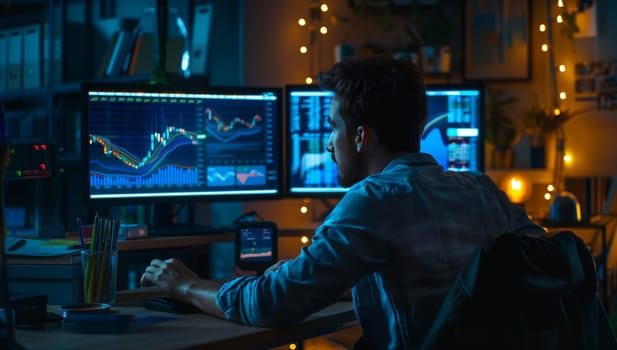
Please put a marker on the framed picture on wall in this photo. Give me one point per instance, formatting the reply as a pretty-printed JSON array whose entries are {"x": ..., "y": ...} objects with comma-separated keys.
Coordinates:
[
  {"x": 596, "y": 81},
  {"x": 497, "y": 40}
]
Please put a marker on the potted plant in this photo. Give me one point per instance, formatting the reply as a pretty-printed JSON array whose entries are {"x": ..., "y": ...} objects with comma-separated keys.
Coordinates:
[
  {"x": 432, "y": 31},
  {"x": 428, "y": 29},
  {"x": 501, "y": 133},
  {"x": 539, "y": 122}
]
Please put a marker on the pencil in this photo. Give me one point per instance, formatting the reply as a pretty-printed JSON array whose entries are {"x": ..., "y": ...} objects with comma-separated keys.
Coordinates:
[{"x": 80, "y": 232}]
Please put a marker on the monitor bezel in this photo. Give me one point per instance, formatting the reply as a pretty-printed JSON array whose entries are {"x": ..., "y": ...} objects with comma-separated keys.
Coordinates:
[
  {"x": 190, "y": 87},
  {"x": 336, "y": 192},
  {"x": 340, "y": 191}
]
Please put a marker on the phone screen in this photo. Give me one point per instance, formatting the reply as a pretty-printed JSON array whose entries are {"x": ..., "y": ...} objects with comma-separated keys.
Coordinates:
[{"x": 256, "y": 244}]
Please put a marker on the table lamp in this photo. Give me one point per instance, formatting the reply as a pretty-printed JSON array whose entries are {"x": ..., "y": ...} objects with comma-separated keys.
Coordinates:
[
  {"x": 565, "y": 209},
  {"x": 517, "y": 187}
]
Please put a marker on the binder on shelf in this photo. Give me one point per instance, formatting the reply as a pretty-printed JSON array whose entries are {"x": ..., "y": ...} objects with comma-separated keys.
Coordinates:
[
  {"x": 14, "y": 59},
  {"x": 32, "y": 51},
  {"x": 107, "y": 55},
  {"x": 52, "y": 55},
  {"x": 4, "y": 47},
  {"x": 200, "y": 39},
  {"x": 118, "y": 55},
  {"x": 52, "y": 50}
]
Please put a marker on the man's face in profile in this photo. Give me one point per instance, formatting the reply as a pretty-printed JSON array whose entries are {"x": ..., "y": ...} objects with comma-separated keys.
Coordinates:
[{"x": 342, "y": 146}]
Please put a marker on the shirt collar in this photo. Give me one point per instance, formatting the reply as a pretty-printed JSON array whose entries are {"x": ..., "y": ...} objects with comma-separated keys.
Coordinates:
[{"x": 412, "y": 160}]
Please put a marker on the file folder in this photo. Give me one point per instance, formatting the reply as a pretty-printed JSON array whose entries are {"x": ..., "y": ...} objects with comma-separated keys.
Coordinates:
[
  {"x": 4, "y": 47},
  {"x": 14, "y": 59},
  {"x": 32, "y": 56}
]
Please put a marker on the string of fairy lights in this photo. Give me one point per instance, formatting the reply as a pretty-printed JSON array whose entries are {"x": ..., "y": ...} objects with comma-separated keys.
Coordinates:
[
  {"x": 316, "y": 26},
  {"x": 555, "y": 16}
]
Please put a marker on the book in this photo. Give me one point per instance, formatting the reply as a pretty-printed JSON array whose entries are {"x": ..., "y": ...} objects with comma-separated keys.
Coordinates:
[
  {"x": 118, "y": 63},
  {"x": 42, "y": 251},
  {"x": 107, "y": 55},
  {"x": 142, "y": 57},
  {"x": 68, "y": 259}
]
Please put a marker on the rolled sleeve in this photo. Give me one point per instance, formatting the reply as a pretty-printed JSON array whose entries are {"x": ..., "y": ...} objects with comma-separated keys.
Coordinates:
[{"x": 334, "y": 262}]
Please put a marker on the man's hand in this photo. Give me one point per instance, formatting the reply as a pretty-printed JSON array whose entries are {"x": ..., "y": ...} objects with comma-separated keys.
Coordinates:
[
  {"x": 175, "y": 279},
  {"x": 171, "y": 276}
]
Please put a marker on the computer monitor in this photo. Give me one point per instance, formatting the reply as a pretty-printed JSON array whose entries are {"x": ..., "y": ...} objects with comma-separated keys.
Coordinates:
[
  {"x": 453, "y": 135},
  {"x": 145, "y": 143}
]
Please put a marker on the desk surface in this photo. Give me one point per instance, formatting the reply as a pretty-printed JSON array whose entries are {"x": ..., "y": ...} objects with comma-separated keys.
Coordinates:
[{"x": 193, "y": 331}]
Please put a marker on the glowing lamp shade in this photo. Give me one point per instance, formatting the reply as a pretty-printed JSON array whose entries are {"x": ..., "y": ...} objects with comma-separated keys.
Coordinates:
[
  {"x": 517, "y": 187},
  {"x": 565, "y": 209}
]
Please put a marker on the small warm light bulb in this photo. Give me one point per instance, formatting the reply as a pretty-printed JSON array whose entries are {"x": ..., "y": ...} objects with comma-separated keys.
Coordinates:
[
  {"x": 323, "y": 30},
  {"x": 567, "y": 158},
  {"x": 559, "y": 19},
  {"x": 517, "y": 188},
  {"x": 301, "y": 22},
  {"x": 557, "y": 112},
  {"x": 308, "y": 80},
  {"x": 303, "y": 49},
  {"x": 323, "y": 8},
  {"x": 562, "y": 68},
  {"x": 542, "y": 27},
  {"x": 292, "y": 346},
  {"x": 550, "y": 188},
  {"x": 303, "y": 209},
  {"x": 304, "y": 239},
  {"x": 544, "y": 47},
  {"x": 547, "y": 196},
  {"x": 562, "y": 95},
  {"x": 560, "y": 3}
]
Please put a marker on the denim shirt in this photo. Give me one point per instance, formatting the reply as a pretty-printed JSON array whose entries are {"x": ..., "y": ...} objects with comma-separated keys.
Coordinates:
[{"x": 398, "y": 238}]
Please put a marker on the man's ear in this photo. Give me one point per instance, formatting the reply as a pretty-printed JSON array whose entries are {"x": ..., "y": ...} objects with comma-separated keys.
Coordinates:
[{"x": 361, "y": 138}]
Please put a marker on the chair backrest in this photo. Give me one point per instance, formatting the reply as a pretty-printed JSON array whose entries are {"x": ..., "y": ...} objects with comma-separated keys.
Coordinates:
[{"x": 523, "y": 291}]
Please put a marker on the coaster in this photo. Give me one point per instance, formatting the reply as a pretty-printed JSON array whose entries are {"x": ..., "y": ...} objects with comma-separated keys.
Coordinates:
[{"x": 72, "y": 309}]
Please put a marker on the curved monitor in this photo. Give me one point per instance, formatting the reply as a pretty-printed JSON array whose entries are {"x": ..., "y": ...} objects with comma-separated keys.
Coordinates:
[
  {"x": 145, "y": 143},
  {"x": 453, "y": 135}
]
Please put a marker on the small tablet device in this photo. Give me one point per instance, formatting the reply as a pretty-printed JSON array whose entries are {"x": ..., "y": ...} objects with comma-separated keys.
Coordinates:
[{"x": 256, "y": 245}]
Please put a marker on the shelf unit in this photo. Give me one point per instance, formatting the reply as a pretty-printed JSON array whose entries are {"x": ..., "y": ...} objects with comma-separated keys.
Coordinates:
[{"x": 42, "y": 102}]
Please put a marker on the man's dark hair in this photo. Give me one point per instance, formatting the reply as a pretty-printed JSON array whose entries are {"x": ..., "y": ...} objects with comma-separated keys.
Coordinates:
[{"x": 384, "y": 93}]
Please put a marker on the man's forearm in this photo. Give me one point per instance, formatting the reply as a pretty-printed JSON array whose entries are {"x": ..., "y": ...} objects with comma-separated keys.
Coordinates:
[{"x": 202, "y": 293}]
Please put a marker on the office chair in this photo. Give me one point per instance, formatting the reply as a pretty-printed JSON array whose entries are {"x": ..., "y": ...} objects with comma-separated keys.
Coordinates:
[{"x": 524, "y": 292}]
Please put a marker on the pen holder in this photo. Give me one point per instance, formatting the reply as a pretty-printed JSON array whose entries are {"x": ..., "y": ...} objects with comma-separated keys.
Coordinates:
[{"x": 100, "y": 270}]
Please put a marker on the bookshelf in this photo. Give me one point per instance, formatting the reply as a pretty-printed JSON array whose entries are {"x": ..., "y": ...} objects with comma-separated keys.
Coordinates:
[
  {"x": 44, "y": 52},
  {"x": 47, "y": 48}
]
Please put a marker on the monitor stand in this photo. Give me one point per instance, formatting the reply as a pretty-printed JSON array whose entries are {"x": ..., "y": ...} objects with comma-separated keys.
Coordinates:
[{"x": 176, "y": 220}]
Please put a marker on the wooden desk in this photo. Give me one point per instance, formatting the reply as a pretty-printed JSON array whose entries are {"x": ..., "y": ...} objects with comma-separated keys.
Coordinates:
[{"x": 193, "y": 331}]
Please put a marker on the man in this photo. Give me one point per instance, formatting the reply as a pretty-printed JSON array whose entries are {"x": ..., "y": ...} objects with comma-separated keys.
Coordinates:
[{"x": 397, "y": 238}]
